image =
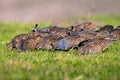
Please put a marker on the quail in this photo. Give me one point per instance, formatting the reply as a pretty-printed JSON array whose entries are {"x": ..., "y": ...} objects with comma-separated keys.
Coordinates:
[{"x": 94, "y": 46}]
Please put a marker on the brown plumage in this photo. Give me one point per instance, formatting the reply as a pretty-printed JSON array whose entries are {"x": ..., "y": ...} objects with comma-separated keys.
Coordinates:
[
  {"x": 115, "y": 34},
  {"x": 83, "y": 35},
  {"x": 90, "y": 34},
  {"x": 69, "y": 42},
  {"x": 75, "y": 39},
  {"x": 59, "y": 32},
  {"x": 86, "y": 26},
  {"x": 95, "y": 46},
  {"x": 46, "y": 29},
  {"x": 31, "y": 43},
  {"x": 18, "y": 40},
  {"x": 54, "y": 30},
  {"x": 48, "y": 42},
  {"x": 107, "y": 29},
  {"x": 9, "y": 45}
]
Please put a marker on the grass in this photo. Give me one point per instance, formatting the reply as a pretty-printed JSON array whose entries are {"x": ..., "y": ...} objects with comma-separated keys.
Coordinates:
[{"x": 57, "y": 65}]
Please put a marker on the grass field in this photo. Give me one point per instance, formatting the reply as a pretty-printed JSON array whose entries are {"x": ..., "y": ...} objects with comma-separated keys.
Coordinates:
[{"x": 57, "y": 65}]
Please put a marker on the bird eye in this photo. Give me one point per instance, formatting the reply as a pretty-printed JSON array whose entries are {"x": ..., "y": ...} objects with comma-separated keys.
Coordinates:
[{"x": 34, "y": 30}]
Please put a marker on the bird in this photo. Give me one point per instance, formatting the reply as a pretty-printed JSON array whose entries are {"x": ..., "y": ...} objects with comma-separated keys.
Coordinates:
[
  {"x": 48, "y": 42},
  {"x": 69, "y": 42},
  {"x": 54, "y": 30},
  {"x": 115, "y": 34},
  {"x": 107, "y": 29},
  {"x": 31, "y": 43},
  {"x": 18, "y": 40},
  {"x": 36, "y": 29},
  {"x": 85, "y": 37},
  {"x": 74, "y": 39},
  {"x": 92, "y": 46},
  {"x": 46, "y": 29},
  {"x": 86, "y": 26}
]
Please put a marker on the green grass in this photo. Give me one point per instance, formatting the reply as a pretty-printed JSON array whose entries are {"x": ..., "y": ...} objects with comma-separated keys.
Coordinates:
[{"x": 57, "y": 65}]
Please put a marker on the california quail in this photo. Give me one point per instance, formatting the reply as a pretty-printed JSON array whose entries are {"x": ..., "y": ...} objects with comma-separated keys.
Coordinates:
[
  {"x": 115, "y": 34},
  {"x": 107, "y": 29},
  {"x": 86, "y": 26},
  {"x": 48, "y": 42},
  {"x": 68, "y": 42},
  {"x": 95, "y": 46},
  {"x": 17, "y": 41},
  {"x": 31, "y": 43}
]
